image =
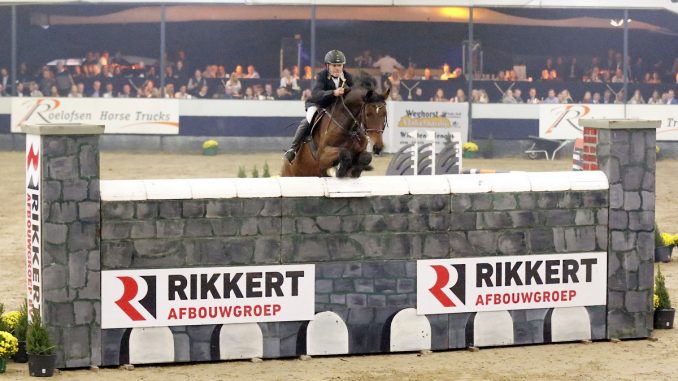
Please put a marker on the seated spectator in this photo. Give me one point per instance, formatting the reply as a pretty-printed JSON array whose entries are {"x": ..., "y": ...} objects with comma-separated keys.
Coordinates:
[
  {"x": 394, "y": 95},
  {"x": 409, "y": 73},
  {"x": 148, "y": 90},
  {"x": 169, "y": 91},
  {"x": 364, "y": 60},
  {"x": 183, "y": 93},
  {"x": 607, "y": 97},
  {"x": 53, "y": 92},
  {"x": 308, "y": 72},
  {"x": 446, "y": 73},
  {"x": 551, "y": 98},
  {"x": 251, "y": 72},
  {"x": 126, "y": 91},
  {"x": 671, "y": 98},
  {"x": 508, "y": 97},
  {"x": 287, "y": 81},
  {"x": 180, "y": 75},
  {"x": 2, "y": 91},
  {"x": 518, "y": 95},
  {"x": 34, "y": 89},
  {"x": 595, "y": 75},
  {"x": 427, "y": 75},
  {"x": 532, "y": 96},
  {"x": 587, "y": 99},
  {"x": 238, "y": 72},
  {"x": 249, "y": 94},
  {"x": 459, "y": 98},
  {"x": 565, "y": 97},
  {"x": 203, "y": 93},
  {"x": 596, "y": 98},
  {"x": 483, "y": 98},
  {"x": 655, "y": 99},
  {"x": 196, "y": 82},
  {"x": 439, "y": 96},
  {"x": 418, "y": 95},
  {"x": 306, "y": 95},
  {"x": 619, "y": 97},
  {"x": 618, "y": 76},
  {"x": 81, "y": 89},
  {"x": 656, "y": 79},
  {"x": 20, "y": 90},
  {"x": 267, "y": 94},
  {"x": 637, "y": 98},
  {"x": 108, "y": 92},
  {"x": 545, "y": 75},
  {"x": 221, "y": 72},
  {"x": 295, "y": 72},
  {"x": 234, "y": 83},
  {"x": 96, "y": 90},
  {"x": 553, "y": 75},
  {"x": 393, "y": 80}
]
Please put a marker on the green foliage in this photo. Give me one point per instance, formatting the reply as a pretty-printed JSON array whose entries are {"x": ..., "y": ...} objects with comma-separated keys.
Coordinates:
[
  {"x": 3, "y": 323},
  {"x": 657, "y": 236},
  {"x": 662, "y": 300},
  {"x": 241, "y": 172},
  {"x": 22, "y": 323},
  {"x": 267, "y": 172},
  {"x": 38, "y": 341},
  {"x": 255, "y": 172}
]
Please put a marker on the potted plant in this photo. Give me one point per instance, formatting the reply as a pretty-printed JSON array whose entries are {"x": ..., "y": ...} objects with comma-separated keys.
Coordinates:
[
  {"x": 210, "y": 147},
  {"x": 663, "y": 313},
  {"x": 19, "y": 331},
  {"x": 663, "y": 246},
  {"x": 470, "y": 149},
  {"x": 8, "y": 347},
  {"x": 41, "y": 351}
]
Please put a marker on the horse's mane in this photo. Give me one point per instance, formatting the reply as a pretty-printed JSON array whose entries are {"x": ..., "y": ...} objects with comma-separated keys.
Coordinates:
[{"x": 368, "y": 86}]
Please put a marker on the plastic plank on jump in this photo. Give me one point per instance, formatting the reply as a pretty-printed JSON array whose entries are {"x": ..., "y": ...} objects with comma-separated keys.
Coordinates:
[
  {"x": 122, "y": 190},
  {"x": 213, "y": 188},
  {"x": 301, "y": 187},
  {"x": 168, "y": 189},
  {"x": 258, "y": 187}
]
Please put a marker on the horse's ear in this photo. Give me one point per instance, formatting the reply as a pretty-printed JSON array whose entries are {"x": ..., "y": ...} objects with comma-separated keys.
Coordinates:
[
  {"x": 369, "y": 94},
  {"x": 386, "y": 93}
]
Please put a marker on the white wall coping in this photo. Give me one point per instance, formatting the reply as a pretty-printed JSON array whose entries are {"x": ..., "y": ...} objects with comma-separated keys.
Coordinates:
[{"x": 180, "y": 189}]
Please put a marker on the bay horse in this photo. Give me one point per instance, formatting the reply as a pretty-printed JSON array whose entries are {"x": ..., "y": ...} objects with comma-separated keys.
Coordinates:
[{"x": 341, "y": 135}]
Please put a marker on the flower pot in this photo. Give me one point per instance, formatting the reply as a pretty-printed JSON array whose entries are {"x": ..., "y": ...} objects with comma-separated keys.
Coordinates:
[
  {"x": 20, "y": 356},
  {"x": 470, "y": 154},
  {"x": 3, "y": 364},
  {"x": 663, "y": 319},
  {"x": 41, "y": 365},
  {"x": 663, "y": 254},
  {"x": 211, "y": 151}
]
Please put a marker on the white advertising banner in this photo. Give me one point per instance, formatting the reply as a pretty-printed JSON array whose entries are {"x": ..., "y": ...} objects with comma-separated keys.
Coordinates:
[
  {"x": 511, "y": 283},
  {"x": 211, "y": 295},
  {"x": 561, "y": 121},
  {"x": 444, "y": 118},
  {"x": 119, "y": 115},
  {"x": 33, "y": 222}
]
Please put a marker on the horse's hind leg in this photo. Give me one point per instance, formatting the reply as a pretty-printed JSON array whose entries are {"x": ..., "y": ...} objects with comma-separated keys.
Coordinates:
[{"x": 345, "y": 161}]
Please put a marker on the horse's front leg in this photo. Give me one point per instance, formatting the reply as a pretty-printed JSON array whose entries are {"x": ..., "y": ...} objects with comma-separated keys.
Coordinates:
[
  {"x": 339, "y": 157},
  {"x": 361, "y": 163},
  {"x": 328, "y": 158}
]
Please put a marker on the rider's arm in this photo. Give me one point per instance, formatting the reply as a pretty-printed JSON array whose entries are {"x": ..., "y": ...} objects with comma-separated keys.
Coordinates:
[{"x": 319, "y": 95}]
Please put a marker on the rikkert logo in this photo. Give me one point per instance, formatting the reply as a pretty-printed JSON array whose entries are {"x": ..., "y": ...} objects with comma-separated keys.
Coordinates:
[
  {"x": 458, "y": 288},
  {"x": 130, "y": 293}
]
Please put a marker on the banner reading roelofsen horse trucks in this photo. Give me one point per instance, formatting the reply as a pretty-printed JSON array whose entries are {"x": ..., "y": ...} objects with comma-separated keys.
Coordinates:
[
  {"x": 210, "y": 295},
  {"x": 120, "y": 116},
  {"x": 511, "y": 283}
]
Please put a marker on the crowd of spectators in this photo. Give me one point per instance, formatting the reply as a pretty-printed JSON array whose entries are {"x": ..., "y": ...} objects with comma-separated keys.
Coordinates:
[{"x": 102, "y": 75}]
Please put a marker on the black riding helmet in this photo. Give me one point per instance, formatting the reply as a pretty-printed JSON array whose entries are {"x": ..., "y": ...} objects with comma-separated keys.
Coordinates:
[{"x": 335, "y": 57}]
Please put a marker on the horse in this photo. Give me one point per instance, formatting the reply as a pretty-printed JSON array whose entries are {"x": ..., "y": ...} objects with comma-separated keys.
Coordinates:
[{"x": 341, "y": 135}]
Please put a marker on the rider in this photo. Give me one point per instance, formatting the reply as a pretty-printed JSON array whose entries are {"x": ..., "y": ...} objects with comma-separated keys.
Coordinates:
[{"x": 329, "y": 84}]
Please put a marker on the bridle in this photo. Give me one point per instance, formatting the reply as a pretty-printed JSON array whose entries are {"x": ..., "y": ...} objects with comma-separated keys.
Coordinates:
[{"x": 357, "y": 129}]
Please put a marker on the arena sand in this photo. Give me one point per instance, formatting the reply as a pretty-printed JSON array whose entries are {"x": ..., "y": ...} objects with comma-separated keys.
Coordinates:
[{"x": 626, "y": 360}]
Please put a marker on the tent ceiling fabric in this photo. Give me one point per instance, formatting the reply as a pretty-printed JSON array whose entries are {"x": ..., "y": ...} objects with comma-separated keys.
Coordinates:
[{"x": 185, "y": 13}]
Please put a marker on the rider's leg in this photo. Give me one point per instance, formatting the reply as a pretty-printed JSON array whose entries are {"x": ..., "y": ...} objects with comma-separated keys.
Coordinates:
[{"x": 300, "y": 134}]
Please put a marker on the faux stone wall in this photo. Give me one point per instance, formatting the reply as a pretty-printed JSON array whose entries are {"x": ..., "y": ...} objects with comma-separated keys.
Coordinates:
[
  {"x": 365, "y": 251},
  {"x": 71, "y": 258},
  {"x": 628, "y": 157}
]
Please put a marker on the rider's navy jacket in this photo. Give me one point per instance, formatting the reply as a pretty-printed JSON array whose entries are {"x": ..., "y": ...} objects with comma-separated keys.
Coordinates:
[{"x": 321, "y": 95}]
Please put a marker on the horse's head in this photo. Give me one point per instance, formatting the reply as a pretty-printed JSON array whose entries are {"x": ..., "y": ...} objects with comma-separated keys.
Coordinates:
[{"x": 375, "y": 118}]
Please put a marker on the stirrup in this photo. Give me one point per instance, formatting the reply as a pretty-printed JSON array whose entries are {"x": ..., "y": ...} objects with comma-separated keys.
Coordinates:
[{"x": 290, "y": 154}]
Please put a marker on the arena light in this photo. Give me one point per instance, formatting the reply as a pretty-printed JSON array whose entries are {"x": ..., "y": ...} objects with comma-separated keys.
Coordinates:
[
  {"x": 455, "y": 12},
  {"x": 620, "y": 22}
]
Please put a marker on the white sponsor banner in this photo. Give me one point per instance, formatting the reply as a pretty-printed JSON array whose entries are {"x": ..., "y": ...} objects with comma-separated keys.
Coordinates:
[
  {"x": 33, "y": 222},
  {"x": 210, "y": 295},
  {"x": 511, "y": 283},
  {"x": 561, "y": 121},
  {"x": 119, "y": 115},
  {"x": 444, "y": 118}
]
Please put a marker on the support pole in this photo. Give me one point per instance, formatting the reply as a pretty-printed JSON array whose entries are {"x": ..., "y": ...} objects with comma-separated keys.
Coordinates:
[{"x": 163, "y": 63}]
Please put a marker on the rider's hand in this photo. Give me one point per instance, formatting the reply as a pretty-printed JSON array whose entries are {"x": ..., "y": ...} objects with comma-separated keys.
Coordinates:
[{"x": 338, "y": 92}]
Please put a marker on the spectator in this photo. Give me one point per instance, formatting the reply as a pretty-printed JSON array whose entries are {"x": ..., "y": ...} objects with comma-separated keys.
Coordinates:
[
  {"x": 81, "y": 89},
  {"x": 551, "y": 98},
  {"x": 518, "y": 95},
  {"x": 20, "y": 90},
  {"x": 460, "y": 97},
  {"x": 446, "y": 73},
  {"x": 96, "y": 89},
  {"x": 548, "y": 67},
  {"x": 203, "y": 93},
  {"x": 618, "y": 76},
  {"x": 565, "y": 97},
  {"x": 251, "y": 72},
  {"x": 364, "y": 60},
  {"x": 34, "y": 89},
  {"x": 73, "y": 93},
  {"x": 77, "y": 74},
  {"x": 393, "y": 80},
  {"x": 295, "y": 72},
  {"x": 655, "y": 99},
  {"x": 427, "y": 75},
  {"x": 234, "y": 83},
  {"x": 553, "y": 75},
  {"x": 387, "y": 64},
  {"x": 607, "y": 97},
  {"x": 289, "y": 83},
  {"x": 2, "y": 90},
  {"x": 249, "y": 93},
  {"x": 587, "y": 99},
  {"x": 308, "y": 72},
  {"x": 126, "y": 91},
  {"x": 671, "y": 99},
  {"x": 53, "y": 92},
  {"x": 544, "y": 75},
  {"x": 5, "y": 80},
  {"x": 619, "y": 97},
  {"x": 182, "y": 93},
  {"x": 196, "y": 82},
  {"x": 169, "y": 91},
  {"x": 47, "y": 81},
  {"x": 409, "y": 73},
  {"x": 418, "y": 95},
  {"x": 108, "y": 92},
  {"x": 596, "y": 98},
  {"x": 268, "y": 94},
  {"x": 573, "y": 72},
  {"x": 637, "y": 98},
  {"x": 532, "y": 96},
  {"x": 439, "y": 96},
  {"x": 394, "y": 95},
  {"x": 508, "y": 97},
  {"x": 483, "y": 98}
]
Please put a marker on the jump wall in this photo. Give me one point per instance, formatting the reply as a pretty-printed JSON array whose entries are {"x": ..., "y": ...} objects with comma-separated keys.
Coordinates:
[{"x": 364, "y": 237}]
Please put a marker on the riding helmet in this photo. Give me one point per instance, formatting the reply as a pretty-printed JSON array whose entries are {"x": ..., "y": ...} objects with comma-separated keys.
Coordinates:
[{"x": 335, "y": 57}]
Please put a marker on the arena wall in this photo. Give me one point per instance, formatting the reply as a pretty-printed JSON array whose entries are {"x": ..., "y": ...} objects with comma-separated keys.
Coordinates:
[{"x": 364, "y": 238}]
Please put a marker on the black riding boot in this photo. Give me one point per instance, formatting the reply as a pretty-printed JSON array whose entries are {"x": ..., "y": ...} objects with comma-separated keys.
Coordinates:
[{"x": 299, "y": 135}]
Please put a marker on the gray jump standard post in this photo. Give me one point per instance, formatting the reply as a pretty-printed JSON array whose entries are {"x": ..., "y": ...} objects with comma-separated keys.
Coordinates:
[{"x": 365, "y": 250}]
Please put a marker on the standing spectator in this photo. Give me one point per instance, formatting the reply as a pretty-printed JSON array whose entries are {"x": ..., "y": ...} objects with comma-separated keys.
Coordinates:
[
  {"x": 47, "y": 81},
  {"x": 77, "y": 74},
  {"x": 180, "y": 75},
  {"x": 364, "y": 60},
  {"x": 560, "y": 67},
  {"x": 551, "y": 98},
  {"x": 251, "y": 72},
  {"x": 196, "y": 82},
  {"x": 573, "y": 72},
  {"x": 532, "y": 96},
  {"x": 386, "y": 64},
  {"x": 96, "y": 89},
  {"x": 63, "y": 80},
  {"x": 5, "y": 80}
]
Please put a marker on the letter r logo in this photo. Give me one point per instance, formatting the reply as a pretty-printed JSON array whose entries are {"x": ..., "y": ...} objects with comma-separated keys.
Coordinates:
[
  {"x": 458, "y": 289},
  {"x": 130, "y": 291}
]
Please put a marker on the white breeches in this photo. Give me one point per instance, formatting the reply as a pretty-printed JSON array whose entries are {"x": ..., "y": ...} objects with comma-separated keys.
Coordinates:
[{"x": 310, "y": 112}]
